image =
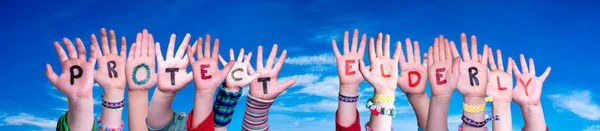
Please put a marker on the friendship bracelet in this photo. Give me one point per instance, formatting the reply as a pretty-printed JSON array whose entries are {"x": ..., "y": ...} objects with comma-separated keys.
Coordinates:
[
  {"x": 378, "y": 110},
  {"x": 473, "y": 123},
  {"x": 113, "y": 105},
  {"x": 383, "y": 98},
  {"x": 224, "y": 106},
  {"x": 460, "y": 128},
  {"x": 102, "y": 126},
  {"x": 369, "y": 128},
  {"x": 349, "y": 99},
  {"x": 473, "y": 109}
]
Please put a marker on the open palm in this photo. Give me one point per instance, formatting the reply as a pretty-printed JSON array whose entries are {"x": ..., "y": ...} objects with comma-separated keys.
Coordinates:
[
  {"x": 239, "y": 77},
  {"x": 500, "y": 83},
  {"x": 141, "y": 63},
  {"x": 269, "y": 74},
  {"x": 78, "y": 83},
  {"x": 472, "y": 66},
  {"x": 407, "y": 83},
  {"x": 205, "y": 70},
  {"x": 348, "y": 62},
  {"x": 382, "y": 72},
  {"x": 111, "y": 67},
  {"x": 442, "y": 69},
  {"x": 172, "y": 74},
  {"x": 529, "y": 87}
]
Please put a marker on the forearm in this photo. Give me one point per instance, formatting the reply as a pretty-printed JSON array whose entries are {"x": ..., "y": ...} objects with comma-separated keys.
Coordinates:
[
  {"x": 502, "y": 109},
  {"x": 420, "y": 104},
  {"x": 347, "y": 110},
  {"x": 534, "y": 118},
  {"x": 382, "y": 122},
  {"x": 110, "y": 117},
  {"x": 160, "y": 109},
  {"x": 138, "y": 109},
  {"x": 437, "y": 119},
  {"x": 478, "y": 116},
  {"x": 81, "y": 114},
  {"x": 203, "y": 101}
]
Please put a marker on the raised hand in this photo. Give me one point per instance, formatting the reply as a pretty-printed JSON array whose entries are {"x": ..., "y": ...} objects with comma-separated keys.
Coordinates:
[
  {"x": 238, "y": 77},
  {"x": 140, "y": 63},
  {"x": 172, "y": 74},
  {"x": 529, "y": 87},
  {"x": 473, "y": 77},
  {"x": 500, "y": 83},
  {"x": 206, "y": 73},
  {"x": 111, "y": 68},
  {"x": 348, "y": 63},
  {"x": 413, "y": 75},
  {"x": 382, "y": 72},
  {"x": 266, "y": 86},
  {"x": 78, "y": 82},
  {"x": 442, "y": 68}
]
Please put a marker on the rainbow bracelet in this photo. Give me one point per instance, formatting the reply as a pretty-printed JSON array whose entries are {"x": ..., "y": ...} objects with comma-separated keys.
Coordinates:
[
  {"x": 102, "y": 126},
  {"x": 349, "y": 99},
  {"x": 113, "y": 105}
]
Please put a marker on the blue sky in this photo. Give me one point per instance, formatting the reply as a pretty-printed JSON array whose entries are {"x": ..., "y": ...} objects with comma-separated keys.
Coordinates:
[{"x": 561, "y": 34}]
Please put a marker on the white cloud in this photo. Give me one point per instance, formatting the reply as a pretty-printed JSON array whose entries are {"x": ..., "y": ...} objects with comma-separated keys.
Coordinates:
[
  {"x": 27, "y": 119},
  {"x": 328, "y": 87},
  {"x": 578, "y": 102},
  {"x": 319, "y": 62},
  {"x": 322, "y": 106},
  {"x": 301, "y": 80},
  {"x": 592, "y": 128},
  {"x": 454, "y": 121}
]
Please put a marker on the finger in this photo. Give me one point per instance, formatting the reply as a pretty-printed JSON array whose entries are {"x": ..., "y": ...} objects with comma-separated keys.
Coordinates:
[
  {"x": 131, "y": 52},
  {"x": 251, "y": 78},
  {"x": 515, "y": 68},
  {"x": 93, "y": 54},
  {"x": 51, "y": 75},
  {"x": 336, "y": 51},
  {"x": 207, "y": 46},
  {"x": 231, "y": 55},
  {"x": 138, "y": 40},
  {"x": 397, "y": 52},
  {"x": 386, "y": 46},
  {"x": 417, "y": 52},
  {"x": 190, "y": 75},
  {"x": 510, "y": 66},
  {"x": 184, "y": 44},
  {"x": 524, "y": 64},
  {"x": 247, "y": 58},
  {"x": 428, "y": 57},
  {"x": 447, "y": 50},
  {"x": 123, "y": 46},
  {"x": 171, "y": 46},
  {"x": 151, "y": 52},
  {"x": 81, "y": 49},
  {"x": 485, "y": 55},
  {"x": 259, "y": 58},
  {"x": 372, "y": 53},
  {"x": 199, "y": 48},
  {"x": 354, "y": 41},
  {"x": 425, "y": 61},
  {"x": 191, "y": 54},
  {"x": 464, "y": 47},
  {"x": 215, "y": 51},
  {"x": 400, "y": 53},
  {"x": 159, "y": 56},
  {"x": 379, "y": 47},
  {"x": 94, "y": 41},
  {"x": 104, "y": 41},
  {"x": 474, "y": 48},
  {"x": 272, "y": 57},
  {"x": 346, "y": 50},
  {"x": 361, "y": 48},
  {"x": 250, "y": 69},
  {"x": 499, "y": 57},
  {"x": 363, "y": 69},
  {"x": 442, "y": 47},
  {"x": 62, "y": 56},
  {"x": 436, "y": 49},
  {"x": 241, "y": 56},
  {"x": 223, "y": 62},
  {"x": 531, "y": 67},
  {"x": 227, "y": 67},
  {"x": 194, "y": 48},
  {"x": 546, "y": 73},
  {"x": 70, "y": 48},
  {"x": 409, "y": 51},
  {"x": 145, "y": 42},
  {"x": 113, "y": 42},
  {"x": 491, "y": 60},
  {"x": 455, "y": 65},
  {"x": 286, "y": 84},
  {"x": 454, "y": 50}
]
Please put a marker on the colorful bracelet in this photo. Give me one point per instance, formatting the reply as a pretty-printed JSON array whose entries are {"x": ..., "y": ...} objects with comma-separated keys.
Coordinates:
[
  {"x": 113, "y": 105},
  {"x": 383, "y": 98},
  {"x": 349, "y": 99},
  {"x": 102, "y": 126},
  {"x": 461, "y": 129},
  {"x": 473, "y": 109},
  {"x": 378, "y": 110},
  {"x": 473, "y": 123},
  {"x": 224, "y": 106},
  {"x": 367, "y": 128}
]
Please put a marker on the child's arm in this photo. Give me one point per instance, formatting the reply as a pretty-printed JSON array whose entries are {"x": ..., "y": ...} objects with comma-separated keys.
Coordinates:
[
  {"x": 412, "y": 81},
  {"x": 499, "y": 87},
  {"x": 76, "y": 85},
  {"x": 527, "y": 94},
  {"x": 141, "y": 76}
]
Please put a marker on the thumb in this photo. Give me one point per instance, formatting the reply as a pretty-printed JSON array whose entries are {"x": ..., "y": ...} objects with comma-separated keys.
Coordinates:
[
  {"x": 363, "y": 70},
  {"x": 228, "y": 67},
  {"x": 251, "y": 78},
  {"x": 286, "y": 84},
  {"x": 51, "y": 75},
  {"x": 455, "y": 65}
]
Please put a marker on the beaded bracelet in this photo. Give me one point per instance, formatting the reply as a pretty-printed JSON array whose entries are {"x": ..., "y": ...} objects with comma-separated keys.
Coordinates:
[
  {"x": 473, "y": 123},
  {"x": 113, "y": 105},
  {"x": 383, "y": 98},
  {"x": 461, "y": 129},
  {"x": 378, "y": 110},
  {"x": 102, "y": 126},
  {"x": 369, "y": 128},
  {"x": 349, "y": 99}
]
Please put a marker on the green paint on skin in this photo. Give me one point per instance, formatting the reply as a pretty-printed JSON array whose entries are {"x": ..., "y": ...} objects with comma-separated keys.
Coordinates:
[{"x": 134, "y": 74}]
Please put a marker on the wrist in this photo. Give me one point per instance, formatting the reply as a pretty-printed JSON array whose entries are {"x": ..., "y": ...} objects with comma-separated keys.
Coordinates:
[
  {"x": 349, "y": 90},
  {"x": 417, "y": 95},
  {"x": 113, "y": 95},
  {"x": 474, "y": 100},
  {"x": 203, "y": 92},
  {"x": 385, "y": 91}
]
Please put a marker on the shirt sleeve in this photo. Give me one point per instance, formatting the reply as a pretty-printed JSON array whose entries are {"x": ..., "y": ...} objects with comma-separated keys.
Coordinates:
[
  {"x": 177, "y": 123},
  {"x": 206, "y": 125},
  {"x": 353, "y": 127}
]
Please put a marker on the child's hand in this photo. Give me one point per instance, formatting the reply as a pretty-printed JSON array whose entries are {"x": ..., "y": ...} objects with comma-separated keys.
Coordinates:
[
  {"x": 442, "y": 67},
  {"x": 207, "y": 75},
  {"x": 111, "y": 64},
  {"x": 529, "y": 87},
  {"x": 473, "y": 71},
  {"x": 238, "y": 76},
  {"x": 500, "y": 83},
  {"x": 413, "y": 75},
  {"x": 77, "y": 84},
  {"x": 348, "y": 62},
  {"x": 140, "y": 63},
  {"x": 172, "y": 74},
  {"x": 266, "y": 86},
  {"x": 382, "y": 72}
]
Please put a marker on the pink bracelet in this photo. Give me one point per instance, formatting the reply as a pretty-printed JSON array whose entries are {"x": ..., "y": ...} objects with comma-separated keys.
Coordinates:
[{"x": 369, "y": 128}]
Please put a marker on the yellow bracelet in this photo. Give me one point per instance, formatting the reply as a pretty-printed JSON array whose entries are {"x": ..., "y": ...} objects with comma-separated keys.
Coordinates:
[
  {"x": 473, "y": 109},
  {"x": 383, "y": 98}
]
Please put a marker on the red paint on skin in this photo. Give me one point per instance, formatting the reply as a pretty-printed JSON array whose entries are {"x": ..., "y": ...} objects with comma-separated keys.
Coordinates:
[
  {"x": 414, "y": 84},
  {"x": 499, "y": 87},
  {"x": 203, "y": 71},
  {"x": 348, "y": 66},
  {"x": 439, "y": 75},
  {"x": 525, "y": 84},
  {"x": 383, "y": 73}
]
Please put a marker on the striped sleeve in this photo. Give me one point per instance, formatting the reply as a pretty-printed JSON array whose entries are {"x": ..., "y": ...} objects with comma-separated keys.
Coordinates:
[{"x": 256, "y": 114}]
